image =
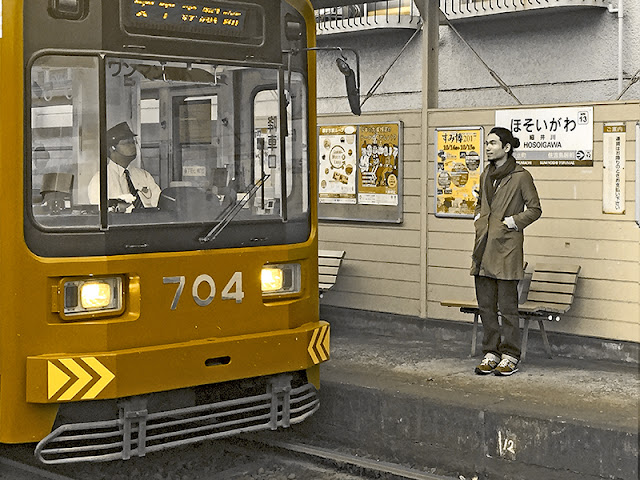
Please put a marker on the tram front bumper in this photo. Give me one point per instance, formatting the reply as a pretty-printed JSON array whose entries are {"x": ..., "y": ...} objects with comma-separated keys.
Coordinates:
[{"x": 63, "y": 378}]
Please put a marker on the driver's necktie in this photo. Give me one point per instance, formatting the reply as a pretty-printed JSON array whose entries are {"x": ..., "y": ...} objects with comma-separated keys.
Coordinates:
[{"x": 137, "y": 203}]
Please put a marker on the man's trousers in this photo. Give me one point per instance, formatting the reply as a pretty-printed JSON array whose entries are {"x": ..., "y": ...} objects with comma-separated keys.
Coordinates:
[{"x": 499, "y": 296}]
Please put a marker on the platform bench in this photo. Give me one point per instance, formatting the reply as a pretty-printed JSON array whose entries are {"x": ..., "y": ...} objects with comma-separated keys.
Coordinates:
[
  {"x": 329, "y": 262},
  {"x": 549, "y": 296}
]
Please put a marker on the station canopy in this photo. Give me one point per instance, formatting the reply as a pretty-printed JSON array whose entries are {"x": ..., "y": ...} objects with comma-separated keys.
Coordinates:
[{"x": 342, "y": 3}]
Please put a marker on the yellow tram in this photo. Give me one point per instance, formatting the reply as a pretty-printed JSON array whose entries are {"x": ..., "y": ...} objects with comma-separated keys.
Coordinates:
[{"x": 158, "y": 246}]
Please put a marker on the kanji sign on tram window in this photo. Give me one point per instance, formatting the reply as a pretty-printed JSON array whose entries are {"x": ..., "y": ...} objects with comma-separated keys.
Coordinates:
[
  {"x": 551, "y": 137},
  {"x": 459, "y": 153}
]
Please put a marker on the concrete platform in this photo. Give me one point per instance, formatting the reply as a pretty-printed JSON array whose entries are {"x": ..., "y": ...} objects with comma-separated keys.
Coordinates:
[{"x": 408, "y": 394}]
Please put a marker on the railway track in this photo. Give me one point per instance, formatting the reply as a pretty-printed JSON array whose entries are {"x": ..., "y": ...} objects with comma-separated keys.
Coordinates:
[{"x": 232, "y": 459}]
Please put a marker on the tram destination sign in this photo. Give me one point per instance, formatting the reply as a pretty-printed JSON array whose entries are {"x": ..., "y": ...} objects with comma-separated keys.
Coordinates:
[
  {"x": 192, "y": 19},
  {"x": 551, "y": 137}
]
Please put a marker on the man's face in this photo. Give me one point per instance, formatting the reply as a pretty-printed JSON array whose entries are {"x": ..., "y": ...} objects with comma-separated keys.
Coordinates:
[
  {"x": 125, "y": 152},
  {"x": 494, "y": 148}
]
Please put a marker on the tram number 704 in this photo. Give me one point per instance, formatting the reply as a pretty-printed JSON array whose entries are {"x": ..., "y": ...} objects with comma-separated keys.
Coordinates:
[{"x": 231, "y": 291}]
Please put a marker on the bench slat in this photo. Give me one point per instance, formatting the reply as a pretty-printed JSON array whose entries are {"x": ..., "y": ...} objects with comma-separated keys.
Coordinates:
[
  {"x": 562, "y": 268},
  {"x": 549, "y": 297},
  {"x": 541, "y": 308},
  {"x": 331, "y": 254},
  {"x": 329, "y": 262},
  {"x": 327, "y": 278},
  {"x": 459, "y": 303},
  {"x": 567, "y": 289},
  {"x": 328, "y": 270},
  {"x": 554, "y": 277}
]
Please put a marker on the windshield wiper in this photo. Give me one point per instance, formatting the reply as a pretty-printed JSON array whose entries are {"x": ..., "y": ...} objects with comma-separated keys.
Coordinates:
[{"x": 231, "y": 213}]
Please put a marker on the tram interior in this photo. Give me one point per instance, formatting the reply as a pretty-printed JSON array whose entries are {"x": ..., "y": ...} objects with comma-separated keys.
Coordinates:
[{"x": 210, "y": 135}]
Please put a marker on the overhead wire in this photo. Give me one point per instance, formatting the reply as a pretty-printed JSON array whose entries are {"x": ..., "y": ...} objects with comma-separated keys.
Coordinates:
[
  {"x": 380, "y": 79},
  {"x": 492, "y": 72},
  {"x": 635, "y": 78}
]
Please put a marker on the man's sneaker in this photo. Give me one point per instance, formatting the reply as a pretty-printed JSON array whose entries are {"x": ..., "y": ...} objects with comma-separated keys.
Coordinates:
[
  {"x": 507, "y": 366},
  {"x": 488, "y": 364}
]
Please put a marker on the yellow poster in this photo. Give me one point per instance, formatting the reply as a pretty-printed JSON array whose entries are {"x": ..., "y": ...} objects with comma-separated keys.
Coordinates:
[
  {"x": 378, "y": 148},
  {"x": 459, "y": 154}
]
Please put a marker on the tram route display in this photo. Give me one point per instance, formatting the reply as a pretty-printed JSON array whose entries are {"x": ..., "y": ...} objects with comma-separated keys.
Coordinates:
[{"x": 209, "y": 19}]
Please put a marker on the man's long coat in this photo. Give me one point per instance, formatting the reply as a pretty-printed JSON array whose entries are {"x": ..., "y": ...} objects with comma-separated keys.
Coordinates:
[{"x": 498, "y": 250}]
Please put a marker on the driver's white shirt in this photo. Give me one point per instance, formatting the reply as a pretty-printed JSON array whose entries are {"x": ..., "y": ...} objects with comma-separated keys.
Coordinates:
[{"x": 118, "y": 187}]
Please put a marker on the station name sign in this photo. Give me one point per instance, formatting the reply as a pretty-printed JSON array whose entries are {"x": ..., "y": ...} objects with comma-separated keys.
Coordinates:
[{"x": 557, "y": 136}]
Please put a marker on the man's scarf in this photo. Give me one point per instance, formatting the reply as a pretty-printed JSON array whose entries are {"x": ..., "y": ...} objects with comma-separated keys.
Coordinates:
[{"x": 497, "y": 174}]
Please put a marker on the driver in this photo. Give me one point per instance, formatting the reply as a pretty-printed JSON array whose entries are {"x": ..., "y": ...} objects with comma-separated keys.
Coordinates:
[{"x": 131, "y": 186}]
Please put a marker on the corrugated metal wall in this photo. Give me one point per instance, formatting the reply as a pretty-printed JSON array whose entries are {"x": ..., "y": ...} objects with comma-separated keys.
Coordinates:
[{"x": 408, "y": 269}]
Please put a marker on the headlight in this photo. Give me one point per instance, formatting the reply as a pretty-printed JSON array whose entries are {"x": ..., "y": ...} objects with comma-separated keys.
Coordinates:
[
  {"x": 90, "y": 296},
  {"x": 281, "y": 279}
]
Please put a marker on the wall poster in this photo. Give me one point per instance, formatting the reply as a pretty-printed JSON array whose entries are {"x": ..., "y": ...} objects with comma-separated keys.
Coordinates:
[
  {"x": 459, "y": 160},
  {"x": 337, "y": 164},
  {"x": 359, "y": 172},
  {"x": 614, "y": 138},
  {"x": 551, "y": 136}
]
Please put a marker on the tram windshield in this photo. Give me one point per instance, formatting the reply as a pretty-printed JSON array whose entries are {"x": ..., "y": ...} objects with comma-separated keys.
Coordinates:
[{"x": 182, "y": 143}]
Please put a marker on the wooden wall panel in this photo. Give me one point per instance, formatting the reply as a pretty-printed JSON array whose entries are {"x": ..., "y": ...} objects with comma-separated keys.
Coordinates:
[
  {"x": 572, "y": 229},
  {"x": 381, "y": 268},
  {"x": 409, "y": 268}
]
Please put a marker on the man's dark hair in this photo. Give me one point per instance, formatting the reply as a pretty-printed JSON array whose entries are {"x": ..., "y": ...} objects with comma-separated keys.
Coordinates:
[{"x": 506, "y": 137}]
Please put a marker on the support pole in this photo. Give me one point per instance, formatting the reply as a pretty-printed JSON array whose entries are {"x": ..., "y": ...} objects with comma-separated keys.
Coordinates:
[{"x": 430, "y": 12}]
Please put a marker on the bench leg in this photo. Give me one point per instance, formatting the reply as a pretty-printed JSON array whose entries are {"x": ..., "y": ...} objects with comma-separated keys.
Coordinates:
[
  {"x": 525, "y": 339},
  {"x": 544, "y": 338},
  {"x": 474, "y": 340}
]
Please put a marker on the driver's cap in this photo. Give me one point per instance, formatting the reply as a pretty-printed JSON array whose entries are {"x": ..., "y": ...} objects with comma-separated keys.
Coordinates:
[{"x": 119, "y": 132}]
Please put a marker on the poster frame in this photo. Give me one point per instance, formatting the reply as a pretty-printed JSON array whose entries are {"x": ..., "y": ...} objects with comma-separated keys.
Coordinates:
[
  {"x": 364, "y": 212},
  {"x": 481, "y": 153}
]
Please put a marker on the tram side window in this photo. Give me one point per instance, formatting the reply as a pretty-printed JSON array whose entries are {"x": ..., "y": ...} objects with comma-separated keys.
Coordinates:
[
  {"x": 64, "y": 139},
  {"x": 268, "y": 152}
]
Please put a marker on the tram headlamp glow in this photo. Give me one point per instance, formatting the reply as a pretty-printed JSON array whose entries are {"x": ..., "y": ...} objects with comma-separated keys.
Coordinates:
[
  {"x": 92, "y": 296},
  {"x": 95, "y": 295},
  {"x": 281, "y": 279}
]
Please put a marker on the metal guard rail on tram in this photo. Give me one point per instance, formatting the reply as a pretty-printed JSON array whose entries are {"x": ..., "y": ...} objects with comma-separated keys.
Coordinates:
[{"x": 138, "y": 432}]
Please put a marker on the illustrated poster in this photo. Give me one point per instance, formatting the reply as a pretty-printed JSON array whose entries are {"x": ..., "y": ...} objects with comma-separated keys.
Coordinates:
[
  {"x": 378, "y": 164},
  {"x": 337, "y": 164},
  {"x": 458, "y": 168}
]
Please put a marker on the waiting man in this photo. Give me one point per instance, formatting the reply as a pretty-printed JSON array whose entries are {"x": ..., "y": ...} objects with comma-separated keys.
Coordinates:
[{"x": 507, "y": 203}]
